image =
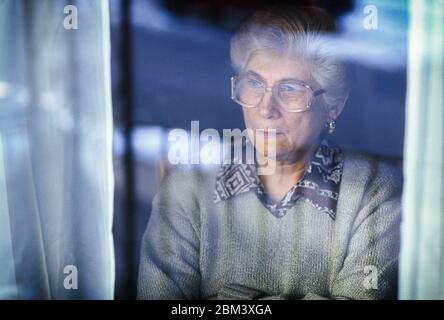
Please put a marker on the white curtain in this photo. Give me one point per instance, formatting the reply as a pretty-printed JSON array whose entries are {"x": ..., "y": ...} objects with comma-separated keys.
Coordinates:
[
  {"x": 422, "y": 249},
  {"x": 56, "y": 178}
]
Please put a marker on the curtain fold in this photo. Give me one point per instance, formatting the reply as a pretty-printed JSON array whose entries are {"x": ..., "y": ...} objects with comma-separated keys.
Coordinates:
[
  {"x": 422, "y": 246},
  {"x": 56, "y": 177}
]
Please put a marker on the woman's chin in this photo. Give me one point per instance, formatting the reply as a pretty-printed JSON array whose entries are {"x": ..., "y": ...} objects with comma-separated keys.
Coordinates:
[{"x": 273, "y": 153}]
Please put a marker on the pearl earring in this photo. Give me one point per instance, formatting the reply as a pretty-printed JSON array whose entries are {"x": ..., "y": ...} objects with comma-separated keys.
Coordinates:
[{"x": 330, "y": 126}]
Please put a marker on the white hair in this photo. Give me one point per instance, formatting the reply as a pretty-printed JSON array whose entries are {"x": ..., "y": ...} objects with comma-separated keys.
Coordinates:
[{"x": 301, "y": 32}]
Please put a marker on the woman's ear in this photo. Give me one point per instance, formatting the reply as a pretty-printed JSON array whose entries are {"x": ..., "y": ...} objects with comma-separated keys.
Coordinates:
[{"x": 335, "y": 111}]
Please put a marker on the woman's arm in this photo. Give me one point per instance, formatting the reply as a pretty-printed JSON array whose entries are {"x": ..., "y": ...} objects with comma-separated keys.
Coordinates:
[
  {"x": 169, "y": 262},
  {"x": 370, "y": 268}
]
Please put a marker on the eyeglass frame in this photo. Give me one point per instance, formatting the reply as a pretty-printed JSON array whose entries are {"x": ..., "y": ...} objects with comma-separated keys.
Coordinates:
[{"x": 315, "y": 93}]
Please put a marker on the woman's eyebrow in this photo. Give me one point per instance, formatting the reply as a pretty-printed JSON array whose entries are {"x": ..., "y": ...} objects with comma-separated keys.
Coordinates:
[
  {"x": 255, "y": 74},
  {"x": 291, "y": 79}
]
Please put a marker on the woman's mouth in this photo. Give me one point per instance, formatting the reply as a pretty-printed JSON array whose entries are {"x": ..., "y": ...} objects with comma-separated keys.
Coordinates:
[{"x": 270, "y": 131}]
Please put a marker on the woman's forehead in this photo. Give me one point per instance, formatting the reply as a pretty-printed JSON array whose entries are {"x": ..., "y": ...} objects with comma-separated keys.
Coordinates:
[{"x": 273, "y": 67}]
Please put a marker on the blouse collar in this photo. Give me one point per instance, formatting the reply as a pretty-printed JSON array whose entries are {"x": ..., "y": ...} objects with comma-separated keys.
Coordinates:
[{"x": 319, "y": 185}]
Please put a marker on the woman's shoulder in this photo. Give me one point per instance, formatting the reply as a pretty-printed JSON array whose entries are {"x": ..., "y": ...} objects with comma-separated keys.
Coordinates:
[
  {"x": 182, "y": 192},
  {"x": 384, "y": 173},
  {"x": 369, "y": 184},
  {"x": 189, "y": 180}
]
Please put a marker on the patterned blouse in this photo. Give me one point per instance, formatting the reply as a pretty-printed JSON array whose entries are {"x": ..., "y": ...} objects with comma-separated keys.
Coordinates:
[{"x": 319, "y": 185}]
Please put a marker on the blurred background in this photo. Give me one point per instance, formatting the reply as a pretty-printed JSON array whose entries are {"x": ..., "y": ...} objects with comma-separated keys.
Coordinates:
[
  {"x": 171, "y": 65},
  {"x": 89, "y": 91}
]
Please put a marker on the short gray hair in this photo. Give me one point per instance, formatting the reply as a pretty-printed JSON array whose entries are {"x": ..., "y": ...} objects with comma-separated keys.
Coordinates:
[{"x": 300, "y": 31}]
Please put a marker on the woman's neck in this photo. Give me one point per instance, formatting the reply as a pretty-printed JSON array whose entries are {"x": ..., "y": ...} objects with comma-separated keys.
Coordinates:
[{"x": 288, "y": 171}]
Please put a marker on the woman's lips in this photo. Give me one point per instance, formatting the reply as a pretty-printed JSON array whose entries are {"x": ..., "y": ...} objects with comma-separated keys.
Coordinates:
[
  {"x": 269, "y": 134},
  {"x": 270, "y": 131}
]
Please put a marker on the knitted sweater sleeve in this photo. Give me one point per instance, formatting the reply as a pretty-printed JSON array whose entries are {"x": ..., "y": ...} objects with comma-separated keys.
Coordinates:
[
  {"x": 370, "y": 267},
  {"x": 169, "y": 262}
]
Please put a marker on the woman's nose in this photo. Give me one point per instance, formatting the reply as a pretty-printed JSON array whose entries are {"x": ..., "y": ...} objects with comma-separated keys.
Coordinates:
[{"x": 268, "y": 108}]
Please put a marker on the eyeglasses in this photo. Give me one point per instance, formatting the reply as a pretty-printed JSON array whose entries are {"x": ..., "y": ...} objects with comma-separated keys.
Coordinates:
[{"x": 293, "y": 96}]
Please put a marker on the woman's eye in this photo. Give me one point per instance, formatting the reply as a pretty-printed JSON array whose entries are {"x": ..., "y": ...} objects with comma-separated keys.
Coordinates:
[
  {"x": 254, "y": 83},
  {"x": 290, "y": 88}
]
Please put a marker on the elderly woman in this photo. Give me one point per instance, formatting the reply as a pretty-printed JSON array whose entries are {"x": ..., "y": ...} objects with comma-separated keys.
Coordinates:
[{"x": 324, "y": 225}]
